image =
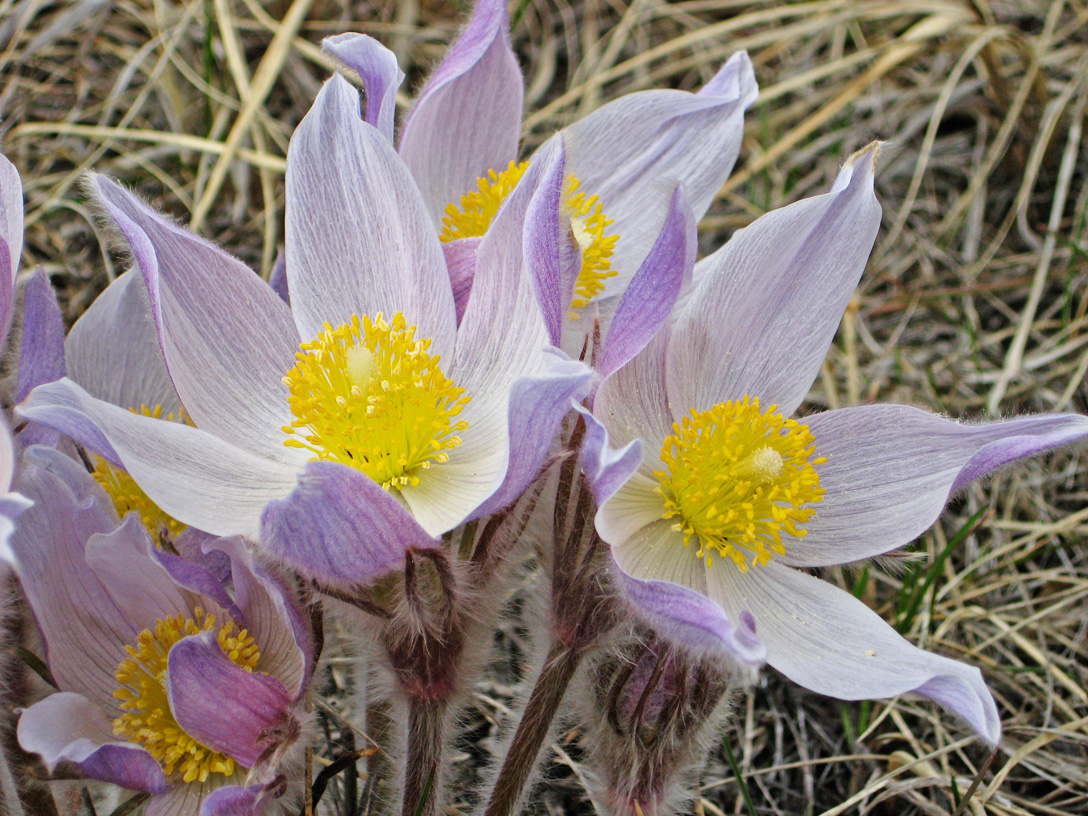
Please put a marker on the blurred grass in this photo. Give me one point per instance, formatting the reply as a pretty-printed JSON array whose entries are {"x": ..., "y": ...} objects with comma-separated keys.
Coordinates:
[{"x": 975, "y": 303}]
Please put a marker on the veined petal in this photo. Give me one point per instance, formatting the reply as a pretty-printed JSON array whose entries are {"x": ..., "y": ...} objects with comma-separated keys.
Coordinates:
[
  {"x": 467, "y": 120},
  {"x": 537, "y": 407},
  {"x": 693, "y": 620},
  {"x": 830, "y": 642},
  {"x": 552, "y": 259},
  {"x": 220, "y": 704},
  {"x": 226, "y": 338},
  {"x": 767, "y": 307},
  {"x": 11, "y": 238},
  {"x": 272, "y": 615},
  {"x": 647, "y": 302},
  {"x": 891, "y": 468},
  {"x": 238, "y": 800},
  {"x": 340, "y": 527},
  {"x": 41, "y": 358},
  {"x": 607, "y": 469},
  {"x": 195, "y": 477},
  {"x": 359, "y": 240},
  {"x": 461, "y": 262},
  {"x": 634, "y": 151},
  {"x": 85, "y": 632},
  {"x": 377, "y": 67},
  {"x": 632, "y": 402},
  {"x": 113, "y": 351},
  {"x": 68, "y": 728},
  {"x": 141, "y": 587},
  {"x": 501, "y": 341}
]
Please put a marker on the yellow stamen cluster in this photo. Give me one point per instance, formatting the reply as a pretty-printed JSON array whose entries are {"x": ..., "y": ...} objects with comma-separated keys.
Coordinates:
[
  {"x": 471, "y": 217},
  {"x": 142, "y": 679},
  {"x": 368, "y": 395},
  {"x": 588, "y": 223},
  {"x": 127, "y": 496},
  {"x": 737, "y": 478}
]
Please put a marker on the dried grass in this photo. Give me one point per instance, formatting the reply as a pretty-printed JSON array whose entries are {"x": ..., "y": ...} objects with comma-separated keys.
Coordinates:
[{"x": 976, "y": 302}]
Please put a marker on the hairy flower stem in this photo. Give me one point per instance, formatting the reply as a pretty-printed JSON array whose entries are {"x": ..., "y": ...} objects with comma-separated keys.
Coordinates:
[
  {"x": 426, "y": 719},
  {"x": 536, "y": 721}
]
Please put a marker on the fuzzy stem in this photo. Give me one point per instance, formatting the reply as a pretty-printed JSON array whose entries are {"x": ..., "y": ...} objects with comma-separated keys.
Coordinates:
[
  {"x": 536, "y": 723},
  {"x": 423, "y": 764}
]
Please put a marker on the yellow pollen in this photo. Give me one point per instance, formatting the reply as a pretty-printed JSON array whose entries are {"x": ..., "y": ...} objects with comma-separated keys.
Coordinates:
[
  {"x": 736, "y": 478},
  {"x": 142, "y": 679},
  {"x": 588, "y": 223},
  {"x": 127, "y": 496},
  {"x": 368, "y": 395},
  {"x": 471, "y": 217}
]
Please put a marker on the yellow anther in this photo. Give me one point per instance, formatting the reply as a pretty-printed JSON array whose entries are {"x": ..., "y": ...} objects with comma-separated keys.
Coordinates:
[
  {"x": 369, "y": 395},
  {"x": 142, "y": 682},
  {"x": 472, "y": 215},
  {"x": 737, "y": 478}
]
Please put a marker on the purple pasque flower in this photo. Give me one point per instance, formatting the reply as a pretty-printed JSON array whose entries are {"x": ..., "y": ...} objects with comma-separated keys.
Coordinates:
[
  {"x": 718, "y": 503},
  {"x": 167, "y": 683},
  {"x": 461, "y": 139},
  {"x": 12, "y": 505},
  {"x": 361, "y": 420},
  {"x": 11, "y": 239}
]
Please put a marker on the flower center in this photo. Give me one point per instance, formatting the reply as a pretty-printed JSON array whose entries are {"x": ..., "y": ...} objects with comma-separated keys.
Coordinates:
[
  {"x": 368, "y": 395},
  {"x": 471, "y": 217},
  {"x": 142, "y": 679},
  {"x": 737, "y": 477},
  {"x": 127, "y": 496}
]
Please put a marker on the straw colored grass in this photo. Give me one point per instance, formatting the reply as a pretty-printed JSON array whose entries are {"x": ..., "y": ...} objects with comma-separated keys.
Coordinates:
[{"x": 975, "y": 303}]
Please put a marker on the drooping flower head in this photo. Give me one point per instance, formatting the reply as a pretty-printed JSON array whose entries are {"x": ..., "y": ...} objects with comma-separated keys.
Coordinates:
[
  {"x": 718, "y": 501},
  {"x": 167, "y": 683}
]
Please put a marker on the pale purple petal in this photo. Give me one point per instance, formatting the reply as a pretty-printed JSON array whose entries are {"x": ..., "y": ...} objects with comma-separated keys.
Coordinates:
[
  {"x": 552, "y": 258},
  {"x": 11, "y": 238},
  {"x": 226, "y": 337},
  {"x": 632, "y": 402},
  {"x": 85, "y": 633},
  {"x": 340, "y": 527},
  {"x": 692, "y": 620},
  {"x": 766, "y": 309},
  {"x": 467, "y": 120},
  {"x": 500, "y": 341},
  {"x": 218, "y": 703},
  {"x": 461, "y": 262},
  {"x": 41, "y": 358},
  {"x": 830, "y": 642},
  {"x": 139, "y": 585},
  {"x": 272, "y": 614},
  {"x": 377, "y": 67},
  {"x": 634, "y": 151},
  {"x": 236, "y": 800},
  {"x": 891, "y": 468},
  {"x": 113, "y": 350},
  {"x": 194, "y": 477},
  {"x": 537, "y": 408},
  {"x": 359, "y": 240},
  {"x": 199, "y": 580},
  {"x": 607, "y": 468},
  {"x": 68, "y": 728},
  {"x": 648, "y": 300},
  {"x": 277, "y": 279}
]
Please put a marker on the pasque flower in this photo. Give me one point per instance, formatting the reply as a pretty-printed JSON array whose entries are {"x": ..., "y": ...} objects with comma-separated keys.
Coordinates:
[
  {"x": 461, "y": 139},
  {"x": 361, "y": 420},
  {"x": 717, "y": 502},
  {"x": 168, "y": 684}
]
